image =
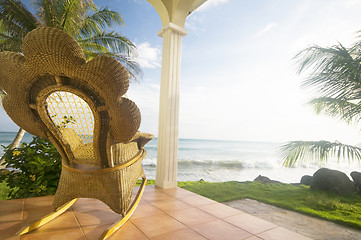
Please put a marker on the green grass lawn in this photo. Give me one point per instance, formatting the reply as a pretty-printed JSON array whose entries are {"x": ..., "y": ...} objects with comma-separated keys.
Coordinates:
[{"x": 344, "y": 210}]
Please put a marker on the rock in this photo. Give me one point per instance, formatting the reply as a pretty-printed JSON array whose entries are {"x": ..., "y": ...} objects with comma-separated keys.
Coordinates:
[
  {"x": 333, "y": 181},
  {"x": 306, "y": 180},
  {"x": 356, "y": 176},
  {"x": 263, "y": 179}
]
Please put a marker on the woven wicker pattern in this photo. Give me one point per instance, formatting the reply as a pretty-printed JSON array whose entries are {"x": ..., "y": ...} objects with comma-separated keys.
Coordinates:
[
  {"x": 116, "y": 196},
  {"x": 74, "y": 118},
  {"x": 52, "y": 92},
  {"x": 68, "y": 111},
  {"x": 15, "y": 81}
]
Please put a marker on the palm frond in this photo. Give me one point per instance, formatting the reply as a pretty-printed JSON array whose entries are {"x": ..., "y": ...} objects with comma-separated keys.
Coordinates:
[
  {"x": 81, "y": 19},
  {"x": 298, "y": 152},
  {"x": 118, "y": 47},
  {"x": 344, "y": 109},
  {"x": 10, "y": 43},
  {"x": 48, "y": 12},
  {"x": 113, "y": 41},
  {"x": 335, "y": 71},
  {"x": 16, "y": 19},
  {"x": 73, "y": 13},
  {"x": 133, "y": 67},
  {"x": 92, "y": 49},
  {"x": 101, "y": 19}
]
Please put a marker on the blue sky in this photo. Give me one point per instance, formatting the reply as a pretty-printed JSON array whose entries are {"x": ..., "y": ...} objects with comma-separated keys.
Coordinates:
[{"x": 238, "y": 80}]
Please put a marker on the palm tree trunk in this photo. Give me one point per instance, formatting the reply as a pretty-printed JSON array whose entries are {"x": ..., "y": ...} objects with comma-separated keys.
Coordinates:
[{"x": 19, "y": 136}]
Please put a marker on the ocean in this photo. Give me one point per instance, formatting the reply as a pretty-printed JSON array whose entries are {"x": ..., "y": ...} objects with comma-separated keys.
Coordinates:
[{"x": 218, "y": 161}]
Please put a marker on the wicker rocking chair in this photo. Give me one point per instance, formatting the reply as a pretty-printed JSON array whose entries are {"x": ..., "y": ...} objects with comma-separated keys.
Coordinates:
[{"x": 52, "y": 92}]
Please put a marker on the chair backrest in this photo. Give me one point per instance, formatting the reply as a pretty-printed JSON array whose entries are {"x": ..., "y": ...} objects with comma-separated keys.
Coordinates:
[
  {"x": 71, "y": 120},
  {"x": 70, "y": 114},
  {"x": 52, "y": 92}
]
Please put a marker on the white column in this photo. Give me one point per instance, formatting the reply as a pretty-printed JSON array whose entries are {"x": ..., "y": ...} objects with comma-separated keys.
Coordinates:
[{"x": 167, "y": 160}]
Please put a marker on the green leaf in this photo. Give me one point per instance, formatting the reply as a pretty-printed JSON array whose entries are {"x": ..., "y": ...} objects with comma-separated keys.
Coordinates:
[
  {"x": 45, "y": 165},
  {"x": 317, "y": 152}
]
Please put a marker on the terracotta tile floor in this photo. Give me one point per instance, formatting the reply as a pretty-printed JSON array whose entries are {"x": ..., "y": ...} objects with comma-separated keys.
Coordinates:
[{"x": 163, "y": 214}]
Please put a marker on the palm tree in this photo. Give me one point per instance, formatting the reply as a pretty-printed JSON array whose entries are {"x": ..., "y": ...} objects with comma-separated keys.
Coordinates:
[
  {"x": 19, "y": 136},
  {"x": 81, "y": 19},
  {"x": 334, "y": 75}
]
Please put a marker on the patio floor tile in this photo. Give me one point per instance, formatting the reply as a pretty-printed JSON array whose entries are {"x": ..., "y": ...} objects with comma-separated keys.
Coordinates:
[
  {"x": 184, "y": 234},
  {"x": 254, "y": 238},
  {"x": 97, "y": 218},
  {"x": 13, "y": 205},
  {"x": 171, "y": 205},
  {"x": 157, "y": 225},
  {"x": 145, "y": 209},
  {"x": 40, "y": 234},
  {"x": 197, "y": 201},
  {"x": 192, "y": 216},
  {"x": 218, "y": 229},
  {"x": 88, "y": 204},
  {"x": 220, "y": 210},
  {"x": 250, "y": 223},
  {"x": 64, "y": 227},
  {"x": 36, "y": 202},
  {"x": 9, "y": 229},
  {"x": 127, "y": 232},
  {"x": 33, "y": 214},
  {"x": 176, "y": 192},
  {"x": 9, "y": 215},
  {"x": 169, "y": 214},
  {"x": 155, "y": 196}
]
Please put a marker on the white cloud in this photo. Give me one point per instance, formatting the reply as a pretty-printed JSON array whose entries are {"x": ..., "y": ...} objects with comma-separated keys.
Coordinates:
[
  {"x": 211, "y": 3},
  {"x": 266, "y": 29},
  {"x": 351, "y": 3},
  {"x": 195, "y": 22},
  {"x": 148, "y": 57},
  {"x": 146, "y": 96}
]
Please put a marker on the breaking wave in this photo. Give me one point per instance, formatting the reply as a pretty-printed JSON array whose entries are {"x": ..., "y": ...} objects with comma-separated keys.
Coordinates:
[{"x": 210, "y": 164}]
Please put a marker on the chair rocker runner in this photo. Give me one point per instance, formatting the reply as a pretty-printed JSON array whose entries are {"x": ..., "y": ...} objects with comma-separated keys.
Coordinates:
[{"x": 52, "y": 92}]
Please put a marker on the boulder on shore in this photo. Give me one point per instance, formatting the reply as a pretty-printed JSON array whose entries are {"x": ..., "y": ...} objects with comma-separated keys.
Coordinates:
[
  {"x": 263, "y": 179},
  {"x": 356, "y": 176},
  {"x": 306, "y": 180},
  {"x": 333, "y": 181}
]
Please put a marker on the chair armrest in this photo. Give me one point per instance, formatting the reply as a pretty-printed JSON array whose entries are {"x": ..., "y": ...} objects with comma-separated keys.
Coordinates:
[{"x": 141, "y": 139}]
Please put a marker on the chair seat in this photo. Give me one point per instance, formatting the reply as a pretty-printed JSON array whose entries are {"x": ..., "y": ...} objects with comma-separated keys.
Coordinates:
[
  {"x": 84, "y": 154},
  {"x": 113, "y": 186}
]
